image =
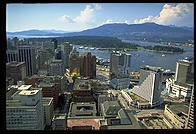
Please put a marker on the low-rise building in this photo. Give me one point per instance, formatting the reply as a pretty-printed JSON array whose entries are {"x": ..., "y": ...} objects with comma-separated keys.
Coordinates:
[
  {"x": 83, "y": 116},
  {"x": 59, "y": 122},
  {"x": 16, "y": 70},
  {"x": 116, "y": 117},
  {"x": 179, "y": 90},
  {"x": 106, "y": 97},
  {"x": 175, "y": 116},
  {"x": 82, "y": 91}
]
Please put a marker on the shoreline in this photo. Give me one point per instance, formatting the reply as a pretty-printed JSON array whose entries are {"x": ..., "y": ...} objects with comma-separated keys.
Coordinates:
[{"x": 131, "y": 50}]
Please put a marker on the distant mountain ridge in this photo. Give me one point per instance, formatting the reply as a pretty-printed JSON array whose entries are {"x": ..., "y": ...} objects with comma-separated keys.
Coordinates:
[
  {"x": 35, "y": 32},
  {"x": 146, "y": 31}
]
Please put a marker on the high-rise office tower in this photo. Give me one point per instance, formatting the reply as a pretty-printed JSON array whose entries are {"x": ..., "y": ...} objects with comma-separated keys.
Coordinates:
[
  {"x": 55, "y": 42},
  {"x": 190, "y": 120},
  {"x": 184, "y": 71},
  {"x": 66, "y": 48},
  {"x": 27, "y": 54},
  {"x": 150, "y": 84},
  {"x": 58, "y": 53},
  {"x": 12, "y": 44},
  {"x": 43, "y": 58},
  {"x": 56, "y": 68},
  {"x": 25, "y": 110},
  {"x": 11, "y": 55},
  {"x": 74, "y": 62},
  {"x": 16, "y": 70},
  {"x": 120, "y": 70},
  {"x": 88, "y": 65}
]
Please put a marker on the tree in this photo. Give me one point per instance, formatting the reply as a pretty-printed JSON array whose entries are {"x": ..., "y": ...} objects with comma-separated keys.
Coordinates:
[{"x": 74, "y": 78}]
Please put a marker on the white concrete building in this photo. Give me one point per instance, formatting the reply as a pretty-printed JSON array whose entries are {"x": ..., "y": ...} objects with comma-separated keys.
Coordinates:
[
  {"x": 24, "y": 111},
  {"x": 178, "y": 90},
  {"x": 150, "y": 86}
]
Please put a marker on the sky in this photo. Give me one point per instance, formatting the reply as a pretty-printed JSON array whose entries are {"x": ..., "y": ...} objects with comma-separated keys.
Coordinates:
[{"x": 82, "y": 16}]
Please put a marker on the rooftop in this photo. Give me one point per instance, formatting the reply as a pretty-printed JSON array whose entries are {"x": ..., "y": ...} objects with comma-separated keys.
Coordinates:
[
  {"x": 185, "y": 62},
  {"x": 80, "y": 85},
  {"x": 183, "y": 84},
  {"x": 84, "y": 122},
  {"x": 46, "y": 84},
  {"x": 111, "y": 108},
  {"x": 82, "y": 109},
  {"x": 59, "y": 116},
  {"x": 179, "y": 108},
  {"x": 128, "y": 121},
  {"x": 24, "y": 87},
  {"x": 136, "y": 97},
  {"x": 47, "y": 100},
  {"x": 27, "y": 92},
  {"x": 14, "y": 63},
  {"x": 151, "y": 68}
]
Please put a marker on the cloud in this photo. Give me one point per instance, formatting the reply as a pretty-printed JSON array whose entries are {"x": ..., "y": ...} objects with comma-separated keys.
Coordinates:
[
  {"x": 97, "y": 6},
  {"x": 66, "y": 18},
  {"x": 170, "y": 14},
  {"x": 109, "y": 21},
  {"x": 85, "y": 17}
]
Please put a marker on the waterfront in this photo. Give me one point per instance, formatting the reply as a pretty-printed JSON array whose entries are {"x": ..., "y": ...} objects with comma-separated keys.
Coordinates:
[{"x": 164, "y": 60}]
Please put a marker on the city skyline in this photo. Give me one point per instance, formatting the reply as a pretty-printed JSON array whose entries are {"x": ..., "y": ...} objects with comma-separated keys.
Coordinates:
[{"x": 82, "y": 16}]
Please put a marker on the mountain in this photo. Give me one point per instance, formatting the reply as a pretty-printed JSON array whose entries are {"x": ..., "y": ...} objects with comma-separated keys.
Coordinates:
[
  {"x": 184, "y": 27},
  {"x": 35, "y": 32},
  {"x": 146, "y": 31}
]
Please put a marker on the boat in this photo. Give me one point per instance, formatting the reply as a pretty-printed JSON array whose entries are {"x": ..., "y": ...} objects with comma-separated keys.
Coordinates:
[
  {"x": 81, "y": 47},
  {"x": 86, "y": 48},
  {"x": 92, "y": 48},
  {"x": 163, "y": 55}
]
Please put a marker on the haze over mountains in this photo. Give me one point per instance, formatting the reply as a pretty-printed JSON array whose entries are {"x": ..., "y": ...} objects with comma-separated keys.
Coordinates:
[{"x": 145, "y": 31}]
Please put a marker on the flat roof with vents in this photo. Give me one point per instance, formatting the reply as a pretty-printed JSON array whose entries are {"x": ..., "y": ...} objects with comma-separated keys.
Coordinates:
[
  {"x": 24, "y": 87},
  {"x": 25, "y": 92}
]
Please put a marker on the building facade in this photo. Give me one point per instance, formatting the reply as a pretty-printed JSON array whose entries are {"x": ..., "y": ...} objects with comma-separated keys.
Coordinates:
[
  {"x": 48, "y": 108},
  {"x": 11, "y": 55},
  {"x": 50, "y": 90},
  {"x": 120, "y": 70},
  {"x": 88, "y": 65},
  {"x": 181, "y": 86},
  {"x": 175, "y": 116},
  {"x": 66, "y": 48},
  {"x": 16, "y": 70},
  {"x": 82, "y": 92},
  {"x": 25, "y": 110},
  {"x": 26, "y": 53},
  {"x": 184, "y": 71},
  {"x": 56, "y": 68},
  {"x": 74, "y": 63},
  {"x": 150, "y": 85},
  {"x": 190, "y": 121}
]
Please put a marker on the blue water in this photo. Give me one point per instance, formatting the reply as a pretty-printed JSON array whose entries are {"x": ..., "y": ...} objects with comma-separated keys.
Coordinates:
[{"x": 147, "y": 57}]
